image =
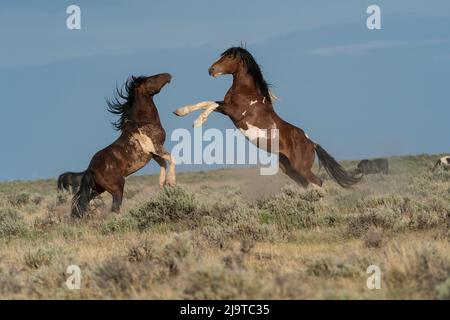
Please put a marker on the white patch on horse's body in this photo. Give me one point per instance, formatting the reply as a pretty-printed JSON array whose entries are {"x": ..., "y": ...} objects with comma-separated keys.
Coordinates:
[
  {"x": 252, "y": 102},
  {"x": 244, "y": 113},
  {"x": 264, "y": 100},
  {"x": 307, "y": 136},
  {"x": 254, "y": 133},
  {"x": 145, "y": 142},
  {"x": 444, "y": 160}
]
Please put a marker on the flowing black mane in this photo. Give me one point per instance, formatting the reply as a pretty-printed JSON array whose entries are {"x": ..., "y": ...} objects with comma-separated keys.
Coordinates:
[
  {"x": 252, "y": 68},
  {"x": 123, "y": 100}
]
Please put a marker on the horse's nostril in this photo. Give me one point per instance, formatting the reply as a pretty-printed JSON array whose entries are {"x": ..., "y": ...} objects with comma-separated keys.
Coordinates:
[{"x": 210, "y": 71}]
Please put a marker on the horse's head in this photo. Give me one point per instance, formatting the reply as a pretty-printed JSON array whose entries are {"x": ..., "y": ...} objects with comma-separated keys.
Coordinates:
[
  {"x": 238, "y": 59},
  {"x": 229, "y": 62},
  {"x": 153, "y": 84}
]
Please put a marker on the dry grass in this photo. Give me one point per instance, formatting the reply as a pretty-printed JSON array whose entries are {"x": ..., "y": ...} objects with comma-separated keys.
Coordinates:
[{"x": 230, "y": 234}]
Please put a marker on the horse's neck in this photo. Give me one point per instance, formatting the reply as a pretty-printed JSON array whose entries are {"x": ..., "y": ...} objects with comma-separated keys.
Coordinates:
[
  {"x": 144, "y": 111},
  {"x": 242, "y": 81}
]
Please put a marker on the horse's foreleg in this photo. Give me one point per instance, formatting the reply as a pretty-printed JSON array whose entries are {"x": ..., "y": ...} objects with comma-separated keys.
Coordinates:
[
  {"x": 205, "y": 114},
  {"x": 189, "y": 108}
]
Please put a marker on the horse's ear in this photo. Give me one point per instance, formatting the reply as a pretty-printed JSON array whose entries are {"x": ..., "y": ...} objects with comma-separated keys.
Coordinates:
[{"x": 133, "y": 78}]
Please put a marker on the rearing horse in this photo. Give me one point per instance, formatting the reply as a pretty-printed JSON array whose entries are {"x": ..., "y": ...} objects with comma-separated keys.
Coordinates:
[
  {"x": 248, "y": 103},
  {"x": 142, "y": 139}
]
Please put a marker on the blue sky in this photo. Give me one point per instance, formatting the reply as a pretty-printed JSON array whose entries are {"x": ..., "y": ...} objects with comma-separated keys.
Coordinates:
[{"x": 359, "y": 93}]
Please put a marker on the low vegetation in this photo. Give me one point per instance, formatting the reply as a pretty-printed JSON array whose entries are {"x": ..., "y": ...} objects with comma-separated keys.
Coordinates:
[{"x": 232, "y": 234}]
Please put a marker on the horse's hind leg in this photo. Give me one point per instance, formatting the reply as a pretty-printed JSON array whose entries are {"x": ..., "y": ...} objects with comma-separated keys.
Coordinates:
[
  {"x": 287, "y": 168},
  {"x": 114, "y": 185},
  {"x": 306, "y": 172},
  {"x": 165, "y": 155},
  {"x": 162, "y": 174},
  {"x": 117, "y": 195},
  {"x": 301, "y": 158}
]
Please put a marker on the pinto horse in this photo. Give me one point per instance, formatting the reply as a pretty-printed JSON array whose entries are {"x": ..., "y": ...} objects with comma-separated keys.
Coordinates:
[
  {"x": 444, "y": 162},
  {"x": 248, "y": 103},
  {"x": 142, "y": 138},
  {"x": 70, "y": 181}
]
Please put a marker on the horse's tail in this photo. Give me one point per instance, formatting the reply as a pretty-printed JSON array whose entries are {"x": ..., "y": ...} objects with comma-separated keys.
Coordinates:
[
  {"x": 60, "y": 186},
  {"x": 80, "y": 201},
  {"x": 335, "y": 170},
  {"x": 436, "y": 165}
]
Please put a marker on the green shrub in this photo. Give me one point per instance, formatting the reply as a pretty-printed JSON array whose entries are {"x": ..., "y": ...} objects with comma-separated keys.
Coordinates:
[
  {"x": 115, "y": 273},
  {"x": 143, "y": 251},
  {"x": 11, "y": 223},
  {"x": 333, "y": 267},
  {"x": 219, "y": 283},
  {"x": 20, "y": 199},
  {"x": 118, "y": 224},
  {"x": 171, "y": 204},
  {"x": 292, "y": 209},
  {"x": 39, "y": 258}
]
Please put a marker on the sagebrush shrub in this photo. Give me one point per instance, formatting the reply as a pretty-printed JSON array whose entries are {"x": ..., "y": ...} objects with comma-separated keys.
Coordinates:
[
  {"x": 115, "y": 273},
  {"x": 292, "y": 209},
  {"x": 20, "y": 199},
  {"x": 118, "y": 224},
  {"x": 171, "y": 204},
  {"x": 11, "y": 223},
  {"x": 373, "y": 238},
  {"x": 38, "y": 258},
  {"x": 218, "y": 283}
]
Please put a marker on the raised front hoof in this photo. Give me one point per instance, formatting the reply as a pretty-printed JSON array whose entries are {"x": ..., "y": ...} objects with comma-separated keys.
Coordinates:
[{"x": 181, "y": 112}]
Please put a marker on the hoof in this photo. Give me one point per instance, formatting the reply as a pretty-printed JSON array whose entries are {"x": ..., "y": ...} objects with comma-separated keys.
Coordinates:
[{"x": 181, "y": 112}]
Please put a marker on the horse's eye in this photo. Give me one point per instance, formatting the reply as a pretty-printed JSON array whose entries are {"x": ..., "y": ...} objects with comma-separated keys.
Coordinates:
[{"x": 230, "y": 56}]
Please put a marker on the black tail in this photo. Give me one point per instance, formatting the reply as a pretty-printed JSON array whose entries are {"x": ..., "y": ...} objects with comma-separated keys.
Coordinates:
[
  {"x": 335, "y": 170},
  {"x": 80, "y": 201},
  {"x": 60, "y": 186}
]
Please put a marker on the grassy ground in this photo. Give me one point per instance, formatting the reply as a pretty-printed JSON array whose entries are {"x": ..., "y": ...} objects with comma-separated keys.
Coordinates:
[{"x": 232, "y": 233}]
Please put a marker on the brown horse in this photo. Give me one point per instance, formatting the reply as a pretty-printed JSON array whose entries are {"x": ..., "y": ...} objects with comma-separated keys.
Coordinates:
[
  {"x": 142, "y": 139},
  {"x": 248, "y": 103},
  {"x": 70, "y": 181}
]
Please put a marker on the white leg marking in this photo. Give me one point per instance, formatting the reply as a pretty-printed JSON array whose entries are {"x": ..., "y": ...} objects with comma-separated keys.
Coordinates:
[
  {"x": 171, "y": 179},
  {"x": 189, "y": 108},
  {"x": 204, "y": 115},
  {"x": 162, "y": 176},
  {"x": 253, "y": 102}
]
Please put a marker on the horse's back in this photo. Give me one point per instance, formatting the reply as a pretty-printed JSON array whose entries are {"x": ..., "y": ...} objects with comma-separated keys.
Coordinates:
[{"x": 373, "y": 166}]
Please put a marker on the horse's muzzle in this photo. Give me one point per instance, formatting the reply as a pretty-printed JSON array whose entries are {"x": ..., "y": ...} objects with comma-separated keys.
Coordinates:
[{"x": 211, "y": 71}]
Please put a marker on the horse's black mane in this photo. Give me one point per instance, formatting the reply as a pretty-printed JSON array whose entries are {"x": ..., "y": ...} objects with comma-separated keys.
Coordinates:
[
  {"x": 252, "y": 68},
  {"x": 123, "y": 100}
]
